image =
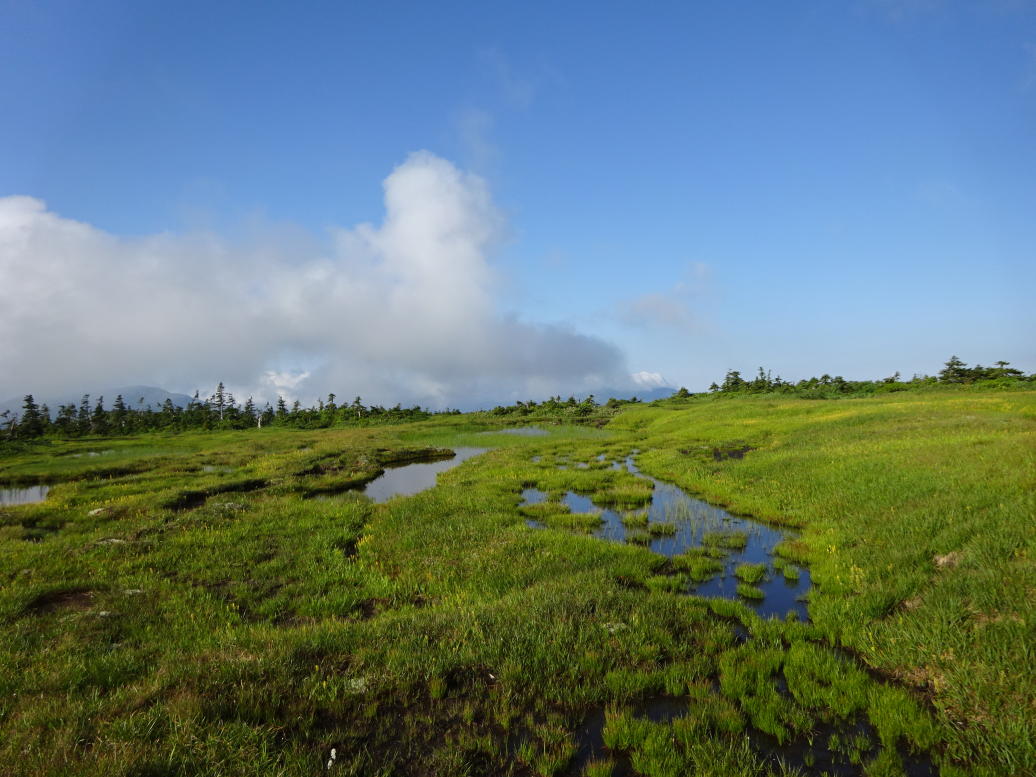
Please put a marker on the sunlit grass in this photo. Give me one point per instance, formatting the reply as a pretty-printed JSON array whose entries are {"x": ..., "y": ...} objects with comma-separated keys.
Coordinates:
[{"x": 215, "y": 604}]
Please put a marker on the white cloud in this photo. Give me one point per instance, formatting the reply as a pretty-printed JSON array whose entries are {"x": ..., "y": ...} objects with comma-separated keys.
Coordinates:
[
  {"x": 649, "y": 380},
  {"x": 402, "y": 311}
]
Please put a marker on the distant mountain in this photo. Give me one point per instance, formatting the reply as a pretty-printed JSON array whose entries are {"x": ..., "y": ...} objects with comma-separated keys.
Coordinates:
[{"x": 131, "y": 395}]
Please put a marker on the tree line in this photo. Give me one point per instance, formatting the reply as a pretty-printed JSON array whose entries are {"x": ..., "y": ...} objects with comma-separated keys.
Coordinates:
[
  {"x": 954, "y": 371},
  {"x": 556, "y": 407},
  {"x": 218, "y": 411}
]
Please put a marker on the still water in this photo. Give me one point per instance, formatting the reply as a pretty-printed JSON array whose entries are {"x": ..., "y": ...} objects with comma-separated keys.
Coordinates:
[
  {"x": 408, "y": 479},
  {"x": 22, "y": 496},
  {"x": 693, "y": 519}
]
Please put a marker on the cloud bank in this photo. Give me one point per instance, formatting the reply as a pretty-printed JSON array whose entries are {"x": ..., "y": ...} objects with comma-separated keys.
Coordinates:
[{"x": 402, "y": 311}]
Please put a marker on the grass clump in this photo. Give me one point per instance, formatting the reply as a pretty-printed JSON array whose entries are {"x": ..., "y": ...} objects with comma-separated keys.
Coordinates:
[
  {"x": 661, "y": 529},
  {"x": 750, "y": 591},
  {"x": 750, "y": 573},
  {"x": 698, "y": 565},
  {"x": 730, "y": 540},
  {"x": 577, "y": 522}
]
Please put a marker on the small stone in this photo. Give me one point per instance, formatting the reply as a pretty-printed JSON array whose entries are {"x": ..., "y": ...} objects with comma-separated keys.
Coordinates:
[{"x": 98, "y": 511}]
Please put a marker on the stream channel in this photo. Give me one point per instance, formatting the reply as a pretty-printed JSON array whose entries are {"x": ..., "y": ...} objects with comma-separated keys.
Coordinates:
[
  {"x": 823, "y": 750},
  {"x": 694, "y": 520}
]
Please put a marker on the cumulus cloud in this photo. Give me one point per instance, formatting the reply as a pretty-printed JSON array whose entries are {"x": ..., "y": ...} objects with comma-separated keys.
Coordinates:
[
  {"x": 649, "y": 380},
  {"x": 404, "y": 311}
]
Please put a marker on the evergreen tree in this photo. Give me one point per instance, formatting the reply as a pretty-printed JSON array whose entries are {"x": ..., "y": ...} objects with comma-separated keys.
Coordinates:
[
  {"x": 119, "y": 414},
  {"x": 955, "y": 371},
  {"x": 168, "y": 414},
  {"x": 218, "y": 401},
  {"x": 66, "y": 420},
  {"x": 31, "y": 422},
  {"x": 248, "y": 415},
  {"x": 732, "y": 381},
  {"x": 357, "y": 408},
  {"x": 266, "y": 418},
  {"x": 99, "y": 419},
  {"x": 330, "y": 410},
  {"x": 83, "y": 417}
]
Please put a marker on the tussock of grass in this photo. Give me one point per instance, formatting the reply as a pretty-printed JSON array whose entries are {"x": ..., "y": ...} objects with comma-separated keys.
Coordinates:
[
  {"x": 579, "y": 522},
  {"x": 750, "y": 591},
  {"x": 698, "y": 566},
  {"x": 750, "y": 573},
  {"x": 733, "y": 540}
]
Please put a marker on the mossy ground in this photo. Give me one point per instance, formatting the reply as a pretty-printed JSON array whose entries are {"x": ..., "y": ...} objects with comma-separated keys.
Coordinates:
[{"x": 218, "y": 604}]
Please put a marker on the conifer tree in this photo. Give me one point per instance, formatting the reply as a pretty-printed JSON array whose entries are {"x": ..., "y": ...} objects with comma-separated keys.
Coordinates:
[
  {"x": 248, "y": 413},
  {"x": 266, "y": 418},
  {"x": 357, "y": 408},
  {"x": 66, "y": 420},
  {"x": 218, "y": 401},
  {"x": 99, "y": 419},
  {"x": 119, "y": 414},
  {"x": 31, "y": 422},
  {"x": 955, "y": 371}
]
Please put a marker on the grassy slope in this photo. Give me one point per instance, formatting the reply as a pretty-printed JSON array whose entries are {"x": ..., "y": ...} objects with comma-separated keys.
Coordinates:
[
  {"x": 439, "y": 635},
  {"x": 920, "y": 533}
]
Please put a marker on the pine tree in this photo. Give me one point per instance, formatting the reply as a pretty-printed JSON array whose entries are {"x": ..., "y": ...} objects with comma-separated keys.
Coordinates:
[
  {"x": 358, "y": 408},
  {"x": 330, "y": 410},
  {"x": 31, "y": 422},
  {"x": 66, "y": 420},
  {"x": 218, "y": 401},
  {"x": 119, "y": 414},
  {"x": 955, "y": 371},
  {"x": 83, "y": 417},
  {"x": 249, "y": 414},
  {"x": 99, "y": 419},
  {"x": 267, "y": 416}
]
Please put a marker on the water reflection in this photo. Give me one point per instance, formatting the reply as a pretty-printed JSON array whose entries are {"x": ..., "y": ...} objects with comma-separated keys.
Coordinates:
[
  {"x": 693, "y": 519},
  {"x": 409, "y": 479},
  {"x": 22, "y": 496}
]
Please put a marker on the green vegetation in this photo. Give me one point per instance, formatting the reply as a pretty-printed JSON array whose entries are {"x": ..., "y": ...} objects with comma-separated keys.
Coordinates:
[
  {"x": 751, "y": 573},
  {"x": 955, "y": 373},
  {"x": 219, "y": 603}
]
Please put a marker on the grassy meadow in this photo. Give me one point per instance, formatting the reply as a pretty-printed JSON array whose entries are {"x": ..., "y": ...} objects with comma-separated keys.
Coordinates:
[{"x": 224, "y": 604}]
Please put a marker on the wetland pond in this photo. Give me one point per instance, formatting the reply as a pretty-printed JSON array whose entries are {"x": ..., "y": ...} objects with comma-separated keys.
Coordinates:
[
  {"x": 726, "y": 547},
  {"x": 23, "y": 496},
  {"x": 410, "y": 478},
  {"x": 692, "y": 523}
]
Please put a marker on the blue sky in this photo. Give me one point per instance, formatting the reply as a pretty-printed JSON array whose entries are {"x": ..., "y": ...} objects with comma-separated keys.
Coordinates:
[{"x": 673, "y": 188}]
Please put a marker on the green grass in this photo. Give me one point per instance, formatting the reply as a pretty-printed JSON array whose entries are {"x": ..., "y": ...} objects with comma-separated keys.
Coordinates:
[
  {"x": 750, "y": 591},
  {"x": 215, "y": 604},
  {"x": 750, "y": 573}
]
